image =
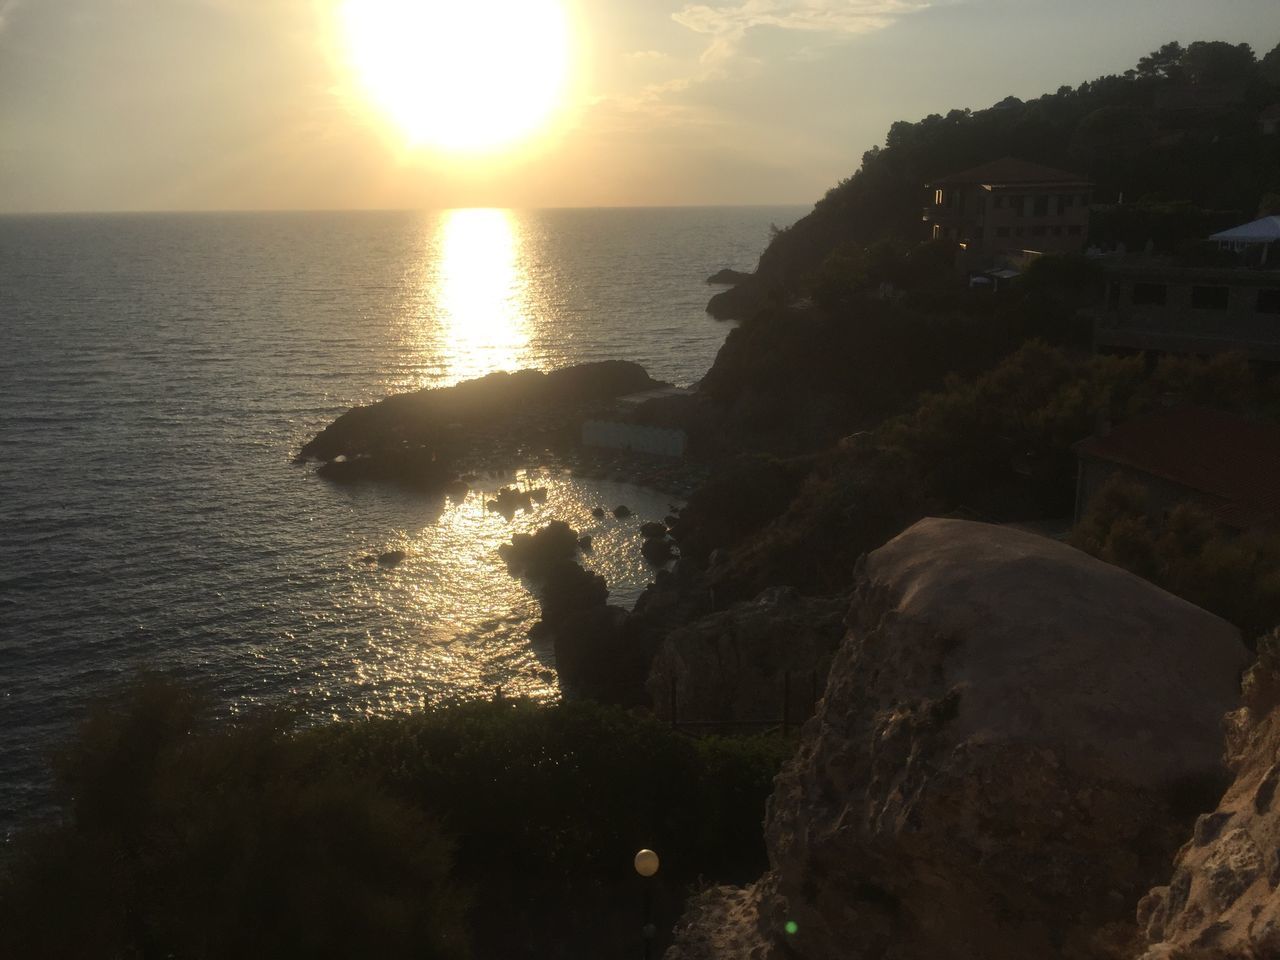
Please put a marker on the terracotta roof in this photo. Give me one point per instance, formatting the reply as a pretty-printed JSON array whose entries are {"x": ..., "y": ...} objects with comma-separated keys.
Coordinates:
[
  {"x": 1270, "y": 113},
  {"x": 1010, "y": 171},
  {"x": 1234, "y": 462}
]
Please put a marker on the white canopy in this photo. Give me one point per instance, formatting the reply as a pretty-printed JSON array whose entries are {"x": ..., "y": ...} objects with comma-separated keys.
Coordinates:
[{"x": 1260, "y": 231}]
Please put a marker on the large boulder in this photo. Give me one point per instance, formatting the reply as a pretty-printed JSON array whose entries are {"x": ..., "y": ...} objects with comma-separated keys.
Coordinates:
[
  {"x": 732, "y": 665},
  {"x": 1013, "y": 741},
  {"x": 1222, "y": 902}
]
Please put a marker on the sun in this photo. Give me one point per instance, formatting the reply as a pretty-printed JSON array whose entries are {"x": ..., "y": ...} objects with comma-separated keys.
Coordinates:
[{"x": 460, "y": 75}]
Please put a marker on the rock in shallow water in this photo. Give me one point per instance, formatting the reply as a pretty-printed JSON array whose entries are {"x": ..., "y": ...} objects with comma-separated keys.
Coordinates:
[{"x": 1013, "y": 742}]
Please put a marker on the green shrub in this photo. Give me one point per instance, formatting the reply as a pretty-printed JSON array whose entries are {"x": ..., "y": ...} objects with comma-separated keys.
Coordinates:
[
  {"x": 501, "y": 829},
  {"x": 1185, "y": 551},
  {"x": 187, "y": 840}
]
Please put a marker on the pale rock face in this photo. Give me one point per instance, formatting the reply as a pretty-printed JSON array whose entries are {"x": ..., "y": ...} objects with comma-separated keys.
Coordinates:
[
  {"x": 1014, "y": 739},
  {"x": 1222, "y": 901}
]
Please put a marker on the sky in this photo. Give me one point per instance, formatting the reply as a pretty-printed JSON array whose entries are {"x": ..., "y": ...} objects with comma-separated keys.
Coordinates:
[{"x": 263, "y": 104}]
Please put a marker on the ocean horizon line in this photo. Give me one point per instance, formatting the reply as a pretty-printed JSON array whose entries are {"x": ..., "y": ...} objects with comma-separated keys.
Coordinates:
[{"x": 234, "y": 211}]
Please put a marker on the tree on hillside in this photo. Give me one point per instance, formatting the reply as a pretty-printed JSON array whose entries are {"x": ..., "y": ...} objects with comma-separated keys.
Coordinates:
[
  {"x": 1214, "y": 61},
  {"x": 1165, "y": 62},
  {"x": 1269, "y": 66}
]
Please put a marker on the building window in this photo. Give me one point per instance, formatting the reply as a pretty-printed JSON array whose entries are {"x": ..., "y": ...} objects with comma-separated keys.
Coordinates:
[
  {"x": 1149, "y": 294},
  {"x": 997, "y": 201},
  {"x": 1268, "y": 301},
  {"x": 1038, "y": 230},
  {"x": 1084, "y": 199},
  {"x": 1040, "y": 207},
  {"x": 1017, "y": 232},
  {"x": 1073, "y": 231},
  {"x": 1015, "y": 204},
  {"x": 977, "y": 233},
  {"x": 1057, "y": 231},
  {"x": 1002, "y": 231},
  {"x": 1066, "y": 200},
  {"x": 1209, "y": 298},
  {"x": 937, "y": 198}
]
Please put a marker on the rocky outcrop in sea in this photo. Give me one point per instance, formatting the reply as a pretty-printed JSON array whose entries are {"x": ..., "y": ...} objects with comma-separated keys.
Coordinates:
[{"x": 425, "y": 438}]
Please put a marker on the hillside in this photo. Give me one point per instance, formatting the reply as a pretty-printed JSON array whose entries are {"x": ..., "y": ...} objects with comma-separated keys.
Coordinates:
[{"x": 1176, "y": 139}]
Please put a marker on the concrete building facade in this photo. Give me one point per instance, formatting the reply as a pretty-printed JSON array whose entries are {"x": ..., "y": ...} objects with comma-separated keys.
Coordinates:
[
  {"x": 1010, "y": 207},
  {"x": 1168, "y": 309}
]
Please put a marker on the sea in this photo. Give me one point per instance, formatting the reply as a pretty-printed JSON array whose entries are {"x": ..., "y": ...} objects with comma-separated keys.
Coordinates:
[{"x": 158, "y": 373}]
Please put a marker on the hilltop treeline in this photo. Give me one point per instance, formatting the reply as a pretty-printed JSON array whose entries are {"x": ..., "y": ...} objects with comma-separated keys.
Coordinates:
[{"x": 1177, "y": 136}]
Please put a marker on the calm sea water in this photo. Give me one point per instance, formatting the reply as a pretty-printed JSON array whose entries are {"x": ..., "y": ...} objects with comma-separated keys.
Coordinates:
[{"x": 158, "y": 372}]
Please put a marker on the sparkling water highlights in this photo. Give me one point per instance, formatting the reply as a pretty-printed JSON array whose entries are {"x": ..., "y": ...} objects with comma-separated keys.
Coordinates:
[
  {"x": 157, "y": 374},
  {"x": 481, "y": 288}
]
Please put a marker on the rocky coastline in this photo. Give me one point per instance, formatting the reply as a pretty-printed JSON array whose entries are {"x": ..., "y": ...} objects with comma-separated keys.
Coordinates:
[{"x": 1005, "y": 742}]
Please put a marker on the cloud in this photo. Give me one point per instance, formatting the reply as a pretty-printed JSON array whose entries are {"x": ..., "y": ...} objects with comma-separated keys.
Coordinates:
[{"x": 727, "y": 25}]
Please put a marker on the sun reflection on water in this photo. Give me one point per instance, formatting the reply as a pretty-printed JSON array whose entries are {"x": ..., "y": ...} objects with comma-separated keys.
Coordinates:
[
  {"x": 457, "y": 621},
  {"x": 480, "y": 293}
]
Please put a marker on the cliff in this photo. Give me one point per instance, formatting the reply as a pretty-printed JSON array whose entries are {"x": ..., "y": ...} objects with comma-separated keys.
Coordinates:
[
  {"x": 1013, "y": 741},
  {"x": 1222, "y": 903},
  {"x": 740, "y": 664}
]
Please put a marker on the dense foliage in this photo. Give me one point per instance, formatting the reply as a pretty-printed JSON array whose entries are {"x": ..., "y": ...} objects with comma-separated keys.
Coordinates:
[
  {"x": 486, "y": 829},
  {"x": 996, "y": 447},
  {"x": 1184, "y": 550}
]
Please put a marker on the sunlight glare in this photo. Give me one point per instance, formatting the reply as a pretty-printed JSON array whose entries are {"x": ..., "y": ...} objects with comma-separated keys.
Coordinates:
[
  {"x": 461, "y": 75},
  {"x": 481, "y": 292}
]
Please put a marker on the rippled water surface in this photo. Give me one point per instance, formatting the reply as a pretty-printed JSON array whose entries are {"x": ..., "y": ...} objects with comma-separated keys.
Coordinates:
[{"x": 158, "y": 372}]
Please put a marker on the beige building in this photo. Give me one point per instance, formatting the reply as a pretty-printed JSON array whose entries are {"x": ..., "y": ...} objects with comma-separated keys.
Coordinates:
[
  {"x": 1154, "y": 307},
  {"x": 1009, "y": 207}
]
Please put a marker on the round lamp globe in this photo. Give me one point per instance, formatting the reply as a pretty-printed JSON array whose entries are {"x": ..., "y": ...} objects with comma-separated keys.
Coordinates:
[{"x": 646, "y": 863}]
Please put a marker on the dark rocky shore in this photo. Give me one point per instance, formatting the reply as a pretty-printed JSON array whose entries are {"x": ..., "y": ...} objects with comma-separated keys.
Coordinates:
[{"x": 501, "y": 413}]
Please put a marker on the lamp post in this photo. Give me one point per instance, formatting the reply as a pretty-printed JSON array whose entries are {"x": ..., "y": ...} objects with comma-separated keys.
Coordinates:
[{"x": 646, "y": 863}]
